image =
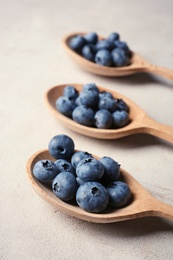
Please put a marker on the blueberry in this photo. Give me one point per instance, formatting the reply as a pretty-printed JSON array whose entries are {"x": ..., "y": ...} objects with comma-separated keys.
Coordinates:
[
  {"x": 113, "y": 37},
  {"x": 90, "y": 87},
  {"x": 61, "y": 147},
  {"x": 77, "y": 43},
  {"x": 92, "y": 197},
  {"x": 89, "y": 169},
  {"x": 91, "y": 37},
  {"x": 64, "y": 166},
  {"x": 44, "y": 170},
  {"x": 89, "y": 98},
  {"x": 120, "y": 118},
  {"x": 88, "y": 52},
  {"x": 121, "y": 45},
  {"x": 119, "y": 193},
  {"x": 79, "y": 156},
  {"x": 65, "y": 105},
  {"x": 105, "y": 94},
  {"x": 103, "y": 119},
  {"x": 83, "y": 115},
  {"x": 119, "y": 57},
  {"x": 89, "y": 95},
  {"x": 121, "y": 105},
  {"x": 107, "y": 103},
  {"x": 104, "y": 45},
  {"x": 103, "y": 57},
  {"x": 70, "y": 92},
  {"x": 65, "y": 186},
  {"x": 111, "y": 169}
]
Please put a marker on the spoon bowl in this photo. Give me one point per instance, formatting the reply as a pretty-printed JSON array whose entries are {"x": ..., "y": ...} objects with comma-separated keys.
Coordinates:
[
  {"x": 139, "y": 121},
  {"x": 142, "y": 204},
  {"x": 137, "y": 63}
]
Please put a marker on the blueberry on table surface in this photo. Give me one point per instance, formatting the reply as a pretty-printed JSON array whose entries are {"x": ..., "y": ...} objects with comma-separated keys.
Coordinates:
[
  {"x": 65, "y": 105},
  {"x": 61, "y": 147},
  {"x": 120, "y": 118},
  {"x": 45, "y": 170},
  {"x": 92, "y": 197},
  {"x": 111, "y": 169},
  {"x": 103, "y": 119},
  {"x": 77, "y": 43},
  {"x": 119, "y": 193},
  {"x": 91, "y": 37},
  {"x": 90, "y": 169},
  {"x": 64, "y": 166},
  {"x": 70, "y": 92},
  {"x": 104, "y": 58},
  {"x": 79, "y": 156},
  {"x": 83, "y": 115},
  {"x": 64, "y": 186}
]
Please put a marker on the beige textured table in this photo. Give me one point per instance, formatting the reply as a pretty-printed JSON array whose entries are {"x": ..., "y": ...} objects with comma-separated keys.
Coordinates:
[{"x": 31, "y": 61}]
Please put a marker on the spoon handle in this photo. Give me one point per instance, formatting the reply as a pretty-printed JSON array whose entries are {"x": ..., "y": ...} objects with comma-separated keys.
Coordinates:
[
  {"x": 162, "y": 209},
  {"x": 152, "y": 127},
  {"x": 167, "y": 73}
]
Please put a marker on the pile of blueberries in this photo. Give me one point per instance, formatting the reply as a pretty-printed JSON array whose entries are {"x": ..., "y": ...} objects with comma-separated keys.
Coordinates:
[
  {"x": 111, "y": 52},
  {"x": 94, "y": 184},
  {"x": 93, "y": 108}
]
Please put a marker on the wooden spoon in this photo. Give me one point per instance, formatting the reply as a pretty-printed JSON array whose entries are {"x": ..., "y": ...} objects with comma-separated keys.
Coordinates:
[
  {"x": 139, "y": 121},
  {"x": 142, "y": 203},
  {"x": 137, "y": 63}
]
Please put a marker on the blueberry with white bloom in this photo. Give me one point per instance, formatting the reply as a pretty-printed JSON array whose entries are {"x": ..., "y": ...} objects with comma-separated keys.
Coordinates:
[
  {"x": 77, "y": 43},
  {"x": 92, "y": 197},
  {"x": 65, "y": 105},
  {"x": 103, "y": 119},
  {"x": 64, "y": 186},
  {"x": 107, "y": 103},
  {"x": 119, "y": 193},
  {"x": 122, "y": 105},
  {"x": 79, "y": 156},
  {"x": 64, "y": 166},
  {"x": 90, "y": 87},
  {"x": 104, "y": 45},
  {"x": 61, "y": 147},
  {"x": 120, "y": 118},
  {"x": 103, "y": 57},
  {"x": 91, "y": 38},
  {"x": 83, "y": 115},
  {"x": 70, "y": 92},
  {"x": 90, "y": 169},
  {"x": 119, "y": 57},
  {"x": 113, "y": 37},
  {"x": 111, "y": 169},
  {"x": 45, "y": 170},
  {"x": 89, "y": 51},
  {"x": 103, "y": 94}
]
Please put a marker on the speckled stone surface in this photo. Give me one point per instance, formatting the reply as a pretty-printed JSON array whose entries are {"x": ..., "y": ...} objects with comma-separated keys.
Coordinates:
[{"x": 31, "y": 61}]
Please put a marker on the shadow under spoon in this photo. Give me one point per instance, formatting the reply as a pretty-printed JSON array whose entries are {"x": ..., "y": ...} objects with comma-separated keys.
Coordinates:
[
  {"x": 137, "y": 63},
  {"x": 142, "y": 203},
  {"x": 140, "y": 122}
]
